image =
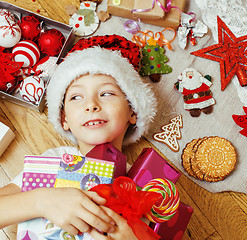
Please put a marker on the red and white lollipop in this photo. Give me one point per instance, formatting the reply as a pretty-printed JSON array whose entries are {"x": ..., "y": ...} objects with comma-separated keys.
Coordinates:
[
  {"x": 32, "y": 89},
  {"x": 166, "y": 208},
  {"x": 27, "y": 52}
]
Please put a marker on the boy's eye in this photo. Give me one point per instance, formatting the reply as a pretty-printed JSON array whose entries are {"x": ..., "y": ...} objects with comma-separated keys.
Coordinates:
[
  {"x": 105, "y": 94},
  {"x": 76, "y": 97}
]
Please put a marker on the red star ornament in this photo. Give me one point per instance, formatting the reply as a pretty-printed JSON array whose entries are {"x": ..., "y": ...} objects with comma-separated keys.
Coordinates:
[{"x": 230, "y": 52}]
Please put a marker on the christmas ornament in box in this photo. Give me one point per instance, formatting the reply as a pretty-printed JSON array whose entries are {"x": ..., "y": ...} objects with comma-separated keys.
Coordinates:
[
  {"x": 31, "y": 29},
  {"x": 6, "y": 137}
]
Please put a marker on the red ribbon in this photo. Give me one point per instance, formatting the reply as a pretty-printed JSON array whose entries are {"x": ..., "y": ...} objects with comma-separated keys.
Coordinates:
[{"x": 123, "y": 198}]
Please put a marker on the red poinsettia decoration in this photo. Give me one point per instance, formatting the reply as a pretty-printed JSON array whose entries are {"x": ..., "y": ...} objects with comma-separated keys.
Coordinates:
[
  {"x": 241, "y": 121},
  {"x": 230, "y": 52}
]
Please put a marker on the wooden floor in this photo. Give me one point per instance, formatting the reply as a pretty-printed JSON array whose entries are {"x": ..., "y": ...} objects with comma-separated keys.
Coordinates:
[{"x": 216, "y": 216}]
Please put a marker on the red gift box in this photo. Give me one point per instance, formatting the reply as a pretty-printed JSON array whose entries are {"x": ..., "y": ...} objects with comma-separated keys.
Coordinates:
[
  {"x": 108, "y": 152},
  {"x": 150, "y": 165},
  {"x": 175, "y": 227}
]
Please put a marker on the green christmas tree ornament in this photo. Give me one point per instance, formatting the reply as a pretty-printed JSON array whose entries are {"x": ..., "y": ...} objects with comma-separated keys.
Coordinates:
[{"x": 154, "y": 62}]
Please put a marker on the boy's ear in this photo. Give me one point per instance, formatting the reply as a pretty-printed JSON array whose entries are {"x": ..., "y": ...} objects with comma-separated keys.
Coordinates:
[
  {"x": 64, "y": 122},
  {"x": 133, "y": 118}
]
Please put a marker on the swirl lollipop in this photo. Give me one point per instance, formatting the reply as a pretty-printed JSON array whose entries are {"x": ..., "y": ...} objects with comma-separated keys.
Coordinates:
[{"x": 166, "y": 208}]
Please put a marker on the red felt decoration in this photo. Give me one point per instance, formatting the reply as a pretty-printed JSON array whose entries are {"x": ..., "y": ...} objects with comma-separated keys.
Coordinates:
[
  {"x": 123, "y": 198},
  {"x": 230, "y": 52},
  {"x": 30, "y": 28},
  {"x": 241, "y": 121},
  {"x": 8, "y": 72},
  {"x": 51, "y": 42}
]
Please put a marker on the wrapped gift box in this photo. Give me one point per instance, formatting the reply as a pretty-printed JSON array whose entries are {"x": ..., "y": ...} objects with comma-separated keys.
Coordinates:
[
  {"x": 108, "y": 152},
  {"x": 150, "y": 165},
  {"x": 39, "y": 172},
  {"x": 6, "y": 137},
  {"x": 41, "y": 229},
  {"x": 83, "y": 172},
  {"x": 175, "y": 227},
  {"x": 154, "y": 14},
  {"x": 171, "y": 18},
  {"x": 71, "y": 171},
  {"x": 67, "y": 32}
]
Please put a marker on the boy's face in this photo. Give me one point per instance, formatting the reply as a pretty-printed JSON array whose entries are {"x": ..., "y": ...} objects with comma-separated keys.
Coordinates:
[{"x": 96, "y": 111}]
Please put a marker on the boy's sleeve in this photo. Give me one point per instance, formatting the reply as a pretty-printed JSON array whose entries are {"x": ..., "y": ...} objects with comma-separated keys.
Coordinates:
[{"x": 18, "y": 180}]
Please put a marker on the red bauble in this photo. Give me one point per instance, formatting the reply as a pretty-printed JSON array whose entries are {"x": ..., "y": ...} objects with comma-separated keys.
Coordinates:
[
  {"x": 51, "y": 42},
  {"x": 30, "y": 28}
]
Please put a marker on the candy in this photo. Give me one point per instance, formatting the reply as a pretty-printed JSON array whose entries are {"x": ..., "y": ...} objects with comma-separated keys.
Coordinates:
[{"x": 166, "y": 208}]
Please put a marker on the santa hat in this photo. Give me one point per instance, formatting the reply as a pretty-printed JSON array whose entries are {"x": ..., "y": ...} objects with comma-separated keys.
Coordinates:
[{"x": 111, "y": 55}]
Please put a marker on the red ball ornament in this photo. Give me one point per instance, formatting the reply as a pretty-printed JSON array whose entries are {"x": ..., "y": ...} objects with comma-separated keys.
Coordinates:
[
  {"x": 51, "y": 42},
  {"x": 30, "y": 28}
]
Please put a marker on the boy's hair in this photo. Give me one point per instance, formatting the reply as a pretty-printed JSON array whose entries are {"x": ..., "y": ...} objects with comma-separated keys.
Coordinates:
[{"x": 111, "y": 55}]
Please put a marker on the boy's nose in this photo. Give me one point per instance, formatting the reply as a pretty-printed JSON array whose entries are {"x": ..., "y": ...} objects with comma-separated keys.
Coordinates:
[{"x": 92, "y": 107}]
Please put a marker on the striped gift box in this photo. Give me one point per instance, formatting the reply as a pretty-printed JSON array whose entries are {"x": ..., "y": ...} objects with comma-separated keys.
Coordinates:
[{"x": 39, "y": 171}]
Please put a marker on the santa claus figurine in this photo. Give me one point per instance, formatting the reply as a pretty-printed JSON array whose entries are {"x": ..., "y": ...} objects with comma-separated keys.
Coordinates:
[{"x": 196, "y": 93}]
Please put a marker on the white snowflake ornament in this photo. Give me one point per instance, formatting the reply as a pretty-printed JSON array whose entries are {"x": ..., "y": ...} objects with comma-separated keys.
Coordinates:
[
  {"x": 85, "y": 21},
  {"x": 10, "y": 34},
  {"x": 6, "y": 16}
]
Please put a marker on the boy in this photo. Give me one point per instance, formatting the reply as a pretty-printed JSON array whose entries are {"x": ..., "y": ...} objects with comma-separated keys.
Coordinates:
[{"x": 94, "y": 96}]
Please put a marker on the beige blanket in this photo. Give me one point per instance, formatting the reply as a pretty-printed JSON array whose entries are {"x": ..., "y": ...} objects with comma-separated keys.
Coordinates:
[{"x": 170, "y": 103}]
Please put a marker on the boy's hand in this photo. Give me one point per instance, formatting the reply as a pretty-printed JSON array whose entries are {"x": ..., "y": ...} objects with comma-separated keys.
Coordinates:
[
  {"x": 74, "y": 210},
  {"x": 122, "y": 230}
]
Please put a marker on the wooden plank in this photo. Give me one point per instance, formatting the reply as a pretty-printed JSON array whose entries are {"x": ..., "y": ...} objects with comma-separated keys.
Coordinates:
[
  {"x": 33, "y": 127},
  {"x": 3, "y": 236}
]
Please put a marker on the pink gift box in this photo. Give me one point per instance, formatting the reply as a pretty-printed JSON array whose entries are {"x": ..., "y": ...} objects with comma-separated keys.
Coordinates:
[
  {"x": 174, "y": 228},
  {"x": 150, "y": 165},
  {"x": 108, "y": 152},
  {"x": 39, "y": 171}
]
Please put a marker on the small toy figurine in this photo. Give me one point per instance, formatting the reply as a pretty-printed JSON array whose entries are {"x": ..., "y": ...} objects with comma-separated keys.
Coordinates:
[{"x": 196, "y": 93}]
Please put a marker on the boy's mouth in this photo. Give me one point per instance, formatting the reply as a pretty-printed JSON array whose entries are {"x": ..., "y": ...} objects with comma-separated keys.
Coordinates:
[{"x": 94, "y": 123}]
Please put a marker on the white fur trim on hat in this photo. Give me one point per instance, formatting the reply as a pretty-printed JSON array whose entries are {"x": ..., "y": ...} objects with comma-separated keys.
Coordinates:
[{"x": 102, "y": 61}]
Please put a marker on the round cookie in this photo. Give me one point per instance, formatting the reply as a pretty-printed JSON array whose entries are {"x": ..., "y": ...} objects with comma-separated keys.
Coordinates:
[
  {"x": 194, "y": 165},
  {"x": 210, "y": 179},
  {"x": 216, "y": 157},
  {"x": 187, "y": 155}
]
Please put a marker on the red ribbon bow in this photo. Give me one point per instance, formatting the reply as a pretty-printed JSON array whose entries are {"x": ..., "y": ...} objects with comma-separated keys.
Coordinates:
[{"x": 123, "y": 198}]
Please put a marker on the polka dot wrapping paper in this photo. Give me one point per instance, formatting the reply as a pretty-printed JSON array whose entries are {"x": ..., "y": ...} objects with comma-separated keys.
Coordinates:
[
  {"x": 83, "y": 172},
  {"x": 39, "y": 172}
]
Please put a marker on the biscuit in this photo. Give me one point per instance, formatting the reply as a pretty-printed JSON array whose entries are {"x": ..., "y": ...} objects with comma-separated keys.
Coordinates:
[
  {"x": 215, "y": 157},
  {"x": 186, "y": 157},
  {"x": 194, "y": 165}
]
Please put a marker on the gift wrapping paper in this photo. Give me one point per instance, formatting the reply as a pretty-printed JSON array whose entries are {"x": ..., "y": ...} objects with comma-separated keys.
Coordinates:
[
  {"x": 171, "y": 18},
  {"x": 108, "y": 152},
  {"x": 83, "y": 172},
  {"x": 39, "y": 171}
]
